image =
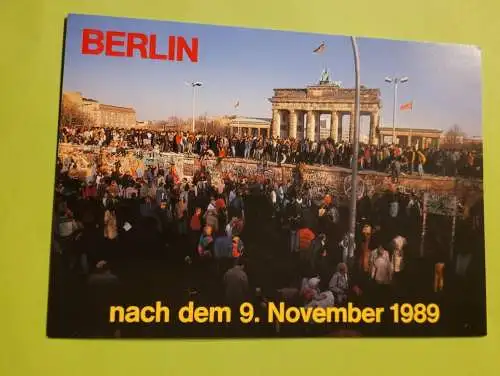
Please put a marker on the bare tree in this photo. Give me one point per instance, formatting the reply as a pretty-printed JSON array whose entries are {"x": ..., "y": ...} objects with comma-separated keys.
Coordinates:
[
  {"x": 174, "y": 122},
  {"x": 454, "y": 135},
  {"x": 72, "y": 114},
  {"x": 203, "y": 123}
]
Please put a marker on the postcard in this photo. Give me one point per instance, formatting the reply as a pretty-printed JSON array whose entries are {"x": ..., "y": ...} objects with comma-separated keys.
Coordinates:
[{"x": 222, "y": 182}]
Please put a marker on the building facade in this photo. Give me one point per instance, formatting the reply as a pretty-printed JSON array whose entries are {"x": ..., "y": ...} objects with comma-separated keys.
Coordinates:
[
  {"x": 103, "y": 115},
  {"x": 247, "y": 126},
  {"x": 115, "y": 116},
  {"x": 421, "y": 138},
  {"x": 296, "y": 112},
  {"x": 472, "y": 141}
]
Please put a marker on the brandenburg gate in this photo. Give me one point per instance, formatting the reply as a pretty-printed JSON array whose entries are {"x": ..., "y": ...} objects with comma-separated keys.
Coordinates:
[{"x": 291, "y": 106}]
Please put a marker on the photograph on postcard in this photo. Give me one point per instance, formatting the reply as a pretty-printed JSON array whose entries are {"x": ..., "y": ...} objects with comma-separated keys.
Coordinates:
[{"x": 221, "y": 182}]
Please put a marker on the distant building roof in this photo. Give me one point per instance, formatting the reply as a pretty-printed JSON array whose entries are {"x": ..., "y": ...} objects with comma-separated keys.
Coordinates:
[
  {"x": 416, "y": 130},
  {"x": 116, "y": 108},
  {"x": 251, "y": 120},
  {"x": 473, "y": 140}
]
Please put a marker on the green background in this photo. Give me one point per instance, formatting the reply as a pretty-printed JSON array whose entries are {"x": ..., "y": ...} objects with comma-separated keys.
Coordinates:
[{"x": 30, "y": 68}]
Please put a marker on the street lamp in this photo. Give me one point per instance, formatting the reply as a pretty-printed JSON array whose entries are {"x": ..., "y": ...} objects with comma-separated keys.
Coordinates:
[
  {"x": 395, "y": 81},
  {"x": 194, "y": 85},
  {"x": 355, "y": 151}
]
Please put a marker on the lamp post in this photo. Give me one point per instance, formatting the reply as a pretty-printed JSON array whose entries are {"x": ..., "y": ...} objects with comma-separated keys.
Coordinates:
[
  {"x": 355, "y": 152},
  {"x": 395, "y": 81},
  {"x": 194, "y": 85},
  {"x": 237, "y": 106}
]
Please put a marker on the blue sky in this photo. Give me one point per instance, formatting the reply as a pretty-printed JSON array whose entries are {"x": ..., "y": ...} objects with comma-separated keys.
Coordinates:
[{"x": 246, "y": 64}]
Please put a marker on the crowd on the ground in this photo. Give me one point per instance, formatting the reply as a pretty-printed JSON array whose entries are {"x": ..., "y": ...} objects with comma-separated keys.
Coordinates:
[
  {"x": 393, "y": 159},
  {"x": 239, "y": 242}
]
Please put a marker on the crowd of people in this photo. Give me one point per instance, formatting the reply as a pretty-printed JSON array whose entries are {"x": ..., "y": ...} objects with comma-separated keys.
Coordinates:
[
  {"x": 393, "y": 159},
  {"x": 120, "y": 238}
]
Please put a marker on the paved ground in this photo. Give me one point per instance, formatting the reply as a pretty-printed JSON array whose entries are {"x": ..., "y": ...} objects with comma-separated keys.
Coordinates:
[{"x": 152, "y": 270}]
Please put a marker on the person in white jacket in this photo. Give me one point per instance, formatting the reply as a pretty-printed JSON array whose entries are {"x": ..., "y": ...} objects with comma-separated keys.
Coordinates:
[{"x": 381, "y": 274}]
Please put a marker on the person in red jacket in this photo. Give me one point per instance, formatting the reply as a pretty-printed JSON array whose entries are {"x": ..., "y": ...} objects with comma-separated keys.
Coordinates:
[
  {"x": 305, "y": 237},
  {"x": 173, "y": 173},
  {"x": 178, "y": 142},
  {"x": 194, "y": 230},
  {"x": 195, "y": 223}
]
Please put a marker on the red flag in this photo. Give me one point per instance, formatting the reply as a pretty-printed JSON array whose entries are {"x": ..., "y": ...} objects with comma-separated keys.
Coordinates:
[
  {"x": 320, "y": 48},
  {"x": 406, "y": 106}
]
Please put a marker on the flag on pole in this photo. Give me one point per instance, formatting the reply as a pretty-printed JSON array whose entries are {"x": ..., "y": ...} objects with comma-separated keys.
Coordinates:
[
  {"x": 320, "y": 49},
  {"x": 237, "y": 104},
  {"x": 406, "y": 106}
]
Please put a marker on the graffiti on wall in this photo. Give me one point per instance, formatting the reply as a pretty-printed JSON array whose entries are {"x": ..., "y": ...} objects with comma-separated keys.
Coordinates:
[
  {"x": 348, "y": 188},
  {"x": 188, "y": 168},
  {"x": 320, "y": 180},
  {"x": 441, "y": 204}
]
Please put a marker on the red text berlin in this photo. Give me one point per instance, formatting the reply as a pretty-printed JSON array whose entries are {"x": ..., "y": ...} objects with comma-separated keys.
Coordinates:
[{"x": 122, "y": 44}]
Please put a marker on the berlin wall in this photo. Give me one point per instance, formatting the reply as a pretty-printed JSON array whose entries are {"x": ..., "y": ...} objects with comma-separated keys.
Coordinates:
[{"x": 322, "y": 180}]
